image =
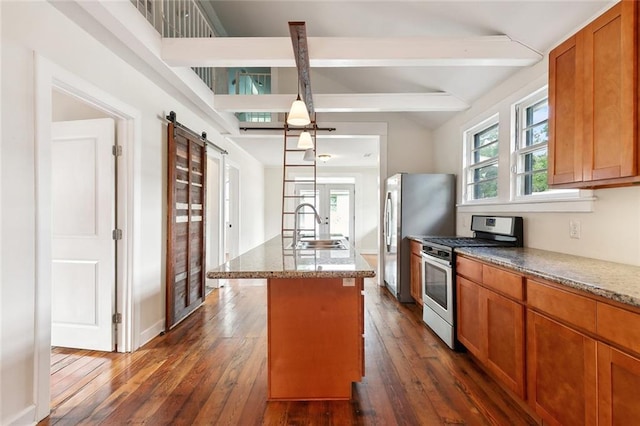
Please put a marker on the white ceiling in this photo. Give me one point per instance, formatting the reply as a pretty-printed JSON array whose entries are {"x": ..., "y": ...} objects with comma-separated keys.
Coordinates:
[{"x": 538, "y": 25}]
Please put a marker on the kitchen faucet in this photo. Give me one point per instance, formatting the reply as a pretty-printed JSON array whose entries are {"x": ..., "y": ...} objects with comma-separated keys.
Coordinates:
[{"x": 295, "y": 221}]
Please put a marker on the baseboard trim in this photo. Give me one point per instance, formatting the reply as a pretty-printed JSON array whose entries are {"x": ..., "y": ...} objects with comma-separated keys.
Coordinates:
[
  {"x": 368, "y": 251},
  {"x": 152, "y": 332},
  {"x": 25, "y": 417}
]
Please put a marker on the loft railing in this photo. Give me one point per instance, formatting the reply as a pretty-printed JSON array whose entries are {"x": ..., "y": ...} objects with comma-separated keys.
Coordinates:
[
  {"x": 184, "y": 18},
  {"x": 179, "y": 18}
]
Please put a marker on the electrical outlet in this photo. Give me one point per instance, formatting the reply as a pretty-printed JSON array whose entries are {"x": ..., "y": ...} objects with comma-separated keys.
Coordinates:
[{"x": 574, "y": 229}]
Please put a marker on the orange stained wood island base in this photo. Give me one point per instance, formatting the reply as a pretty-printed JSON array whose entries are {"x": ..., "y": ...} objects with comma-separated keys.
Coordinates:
[
  {"x": 315, "y": 317},
  {"x": 315, "y": 337}
]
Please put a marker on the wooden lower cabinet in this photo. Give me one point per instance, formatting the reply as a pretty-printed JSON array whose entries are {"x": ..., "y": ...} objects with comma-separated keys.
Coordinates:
[
  {"x": 571, "y": 357},
  {"x": 416, "y": 278},
  {"x": 505, "y": 341},
  {"x": 562, "y": 382},
  {"x": 469, "y": 316},
  {"x": 491, "y": 327},
  {"x": 415, "y": 272},
  {"x": 618, "y": 387}
]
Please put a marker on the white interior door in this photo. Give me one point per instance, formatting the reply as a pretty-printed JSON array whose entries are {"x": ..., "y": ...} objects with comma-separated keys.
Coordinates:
[{"x": 83, "y": 249}]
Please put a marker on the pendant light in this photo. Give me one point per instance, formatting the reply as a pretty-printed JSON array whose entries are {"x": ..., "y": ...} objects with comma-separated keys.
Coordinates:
[
  {"x": 309, "y": 155},
  {"x": 298, "y": 116},
  {"x": 305, "y": 141}
]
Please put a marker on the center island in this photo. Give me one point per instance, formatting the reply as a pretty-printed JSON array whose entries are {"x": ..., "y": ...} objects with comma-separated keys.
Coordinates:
[{"x": 315, "y": 316}]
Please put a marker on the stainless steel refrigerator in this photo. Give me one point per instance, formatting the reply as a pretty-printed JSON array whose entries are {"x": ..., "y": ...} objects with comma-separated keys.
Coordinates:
[{"x": 416, "y": 204}]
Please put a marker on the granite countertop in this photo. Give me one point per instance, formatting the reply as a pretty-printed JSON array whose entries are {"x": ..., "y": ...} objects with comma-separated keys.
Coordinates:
[
  {"x": 615, "y": 281},
  {"x": 272, "y": 260}
]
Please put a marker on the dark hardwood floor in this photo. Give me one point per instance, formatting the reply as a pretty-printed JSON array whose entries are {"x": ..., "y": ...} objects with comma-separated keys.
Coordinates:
[{"x": 211, "y": 370}]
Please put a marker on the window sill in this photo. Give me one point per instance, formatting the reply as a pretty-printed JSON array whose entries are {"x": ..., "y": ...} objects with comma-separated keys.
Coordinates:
[{"x": 550, "y": 205}]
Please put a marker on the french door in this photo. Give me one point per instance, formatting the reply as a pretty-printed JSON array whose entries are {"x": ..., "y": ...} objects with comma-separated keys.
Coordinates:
[{"x": 336, "y": 207}]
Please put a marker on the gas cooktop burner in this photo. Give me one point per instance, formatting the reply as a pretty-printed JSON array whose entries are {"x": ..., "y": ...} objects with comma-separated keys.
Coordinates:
[{"x": 463, "y": 242}]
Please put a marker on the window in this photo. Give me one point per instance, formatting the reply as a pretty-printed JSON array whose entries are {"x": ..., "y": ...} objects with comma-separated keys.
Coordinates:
[
  {"x": 482, "y": 161},
  {"x": 505, "y": 170},
  {"x": 530, "y": 152}
]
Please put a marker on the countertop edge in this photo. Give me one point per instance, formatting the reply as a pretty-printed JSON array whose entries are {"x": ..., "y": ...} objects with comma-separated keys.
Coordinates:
[
  {"x": 267, "y": 260},
  {"x": 588, "y": 287},
  {"x": 290, "y": 274}
]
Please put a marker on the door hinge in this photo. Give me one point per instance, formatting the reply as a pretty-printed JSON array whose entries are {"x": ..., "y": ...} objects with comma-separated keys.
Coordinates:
[
  {"x": 116, "y": 150},
  {"x": 117, "y": 318},
  {"x": 116, "y": 234}
]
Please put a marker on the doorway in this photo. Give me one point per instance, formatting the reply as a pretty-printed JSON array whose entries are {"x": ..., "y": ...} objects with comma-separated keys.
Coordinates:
[
  {"x": 231, "y": 211},
  {"x": 214, "y": 203},
  {"x": 49, "y": 79},
  {"x": 336, "y": 206}
]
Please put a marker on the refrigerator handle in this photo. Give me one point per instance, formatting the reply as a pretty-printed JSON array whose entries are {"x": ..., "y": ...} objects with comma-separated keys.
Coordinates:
[{"x": 387, "y": 213}]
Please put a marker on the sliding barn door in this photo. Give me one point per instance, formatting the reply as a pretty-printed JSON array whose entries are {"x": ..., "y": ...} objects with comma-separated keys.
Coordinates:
[{"x": 187, "y": 162}]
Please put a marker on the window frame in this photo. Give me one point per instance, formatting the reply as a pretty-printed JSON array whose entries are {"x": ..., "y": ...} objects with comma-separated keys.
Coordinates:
[
  {"x": 517, "y": 152},
  {"x": 470, "y": 166}
]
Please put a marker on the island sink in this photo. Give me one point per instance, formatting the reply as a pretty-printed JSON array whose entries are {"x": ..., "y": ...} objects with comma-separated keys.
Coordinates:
[{"x": 321, "y": 244}]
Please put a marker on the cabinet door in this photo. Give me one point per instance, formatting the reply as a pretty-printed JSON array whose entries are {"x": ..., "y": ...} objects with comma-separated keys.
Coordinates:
[
  {"x": 618, "y": 384},
  {"x": 565, "y": 112},
  {"x": 610, "y": 65},
  {"x": 561, "y": 367},
  {"x": 471, "y": 305},
  {"x": 505, "y": 341},
  {"x": 416, "y": 278}
]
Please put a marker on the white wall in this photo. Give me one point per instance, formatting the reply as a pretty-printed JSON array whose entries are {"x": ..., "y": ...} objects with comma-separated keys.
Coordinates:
[
  {"x": 610, "y": 232},
  {"x": 366, "y": 202},
  {"x": 408, "y": 144},
  {"x": 56, "y": 38}
]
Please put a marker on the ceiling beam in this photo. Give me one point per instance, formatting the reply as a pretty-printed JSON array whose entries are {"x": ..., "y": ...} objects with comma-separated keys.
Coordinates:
[
  {"x": 301, "y": 54},
  {"x": 349, "y": 52},
  {"x": 348, "y": 102}
]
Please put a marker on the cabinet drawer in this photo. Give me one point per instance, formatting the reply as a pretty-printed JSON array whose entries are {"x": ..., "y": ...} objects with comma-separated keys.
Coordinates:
[
  {"x": 415, "y": 247},
  {"x": 505, "y": 282},
  {"x": 572, "y": 308},
  {"x": 469, "y": 268},
  {"x": 619, "y": 326}
]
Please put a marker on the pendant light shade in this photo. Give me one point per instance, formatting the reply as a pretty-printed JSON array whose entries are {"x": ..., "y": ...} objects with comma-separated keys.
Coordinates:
[
  {"x": 309, "y": 155},
  {"x": 305, "y": 141},
  {"x": 298, "y": 116}
]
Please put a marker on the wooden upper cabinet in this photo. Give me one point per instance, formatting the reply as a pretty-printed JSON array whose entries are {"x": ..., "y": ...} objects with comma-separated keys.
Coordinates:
[
  {"x": 593, "y": 101},
  {"x": 565, "y": 113},
  {"x": 611, "y": 96}
]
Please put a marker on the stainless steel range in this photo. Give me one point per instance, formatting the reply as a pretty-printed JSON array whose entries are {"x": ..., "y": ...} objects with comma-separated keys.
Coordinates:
[{"x": 438, "y": 268}]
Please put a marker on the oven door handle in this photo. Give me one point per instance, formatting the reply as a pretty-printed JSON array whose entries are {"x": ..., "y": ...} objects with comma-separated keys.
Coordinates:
[{"x": 435, "y": 261}]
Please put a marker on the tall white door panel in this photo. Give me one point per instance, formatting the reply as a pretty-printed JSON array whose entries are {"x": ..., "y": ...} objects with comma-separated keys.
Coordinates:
[{"x": 83, "y": 248}]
